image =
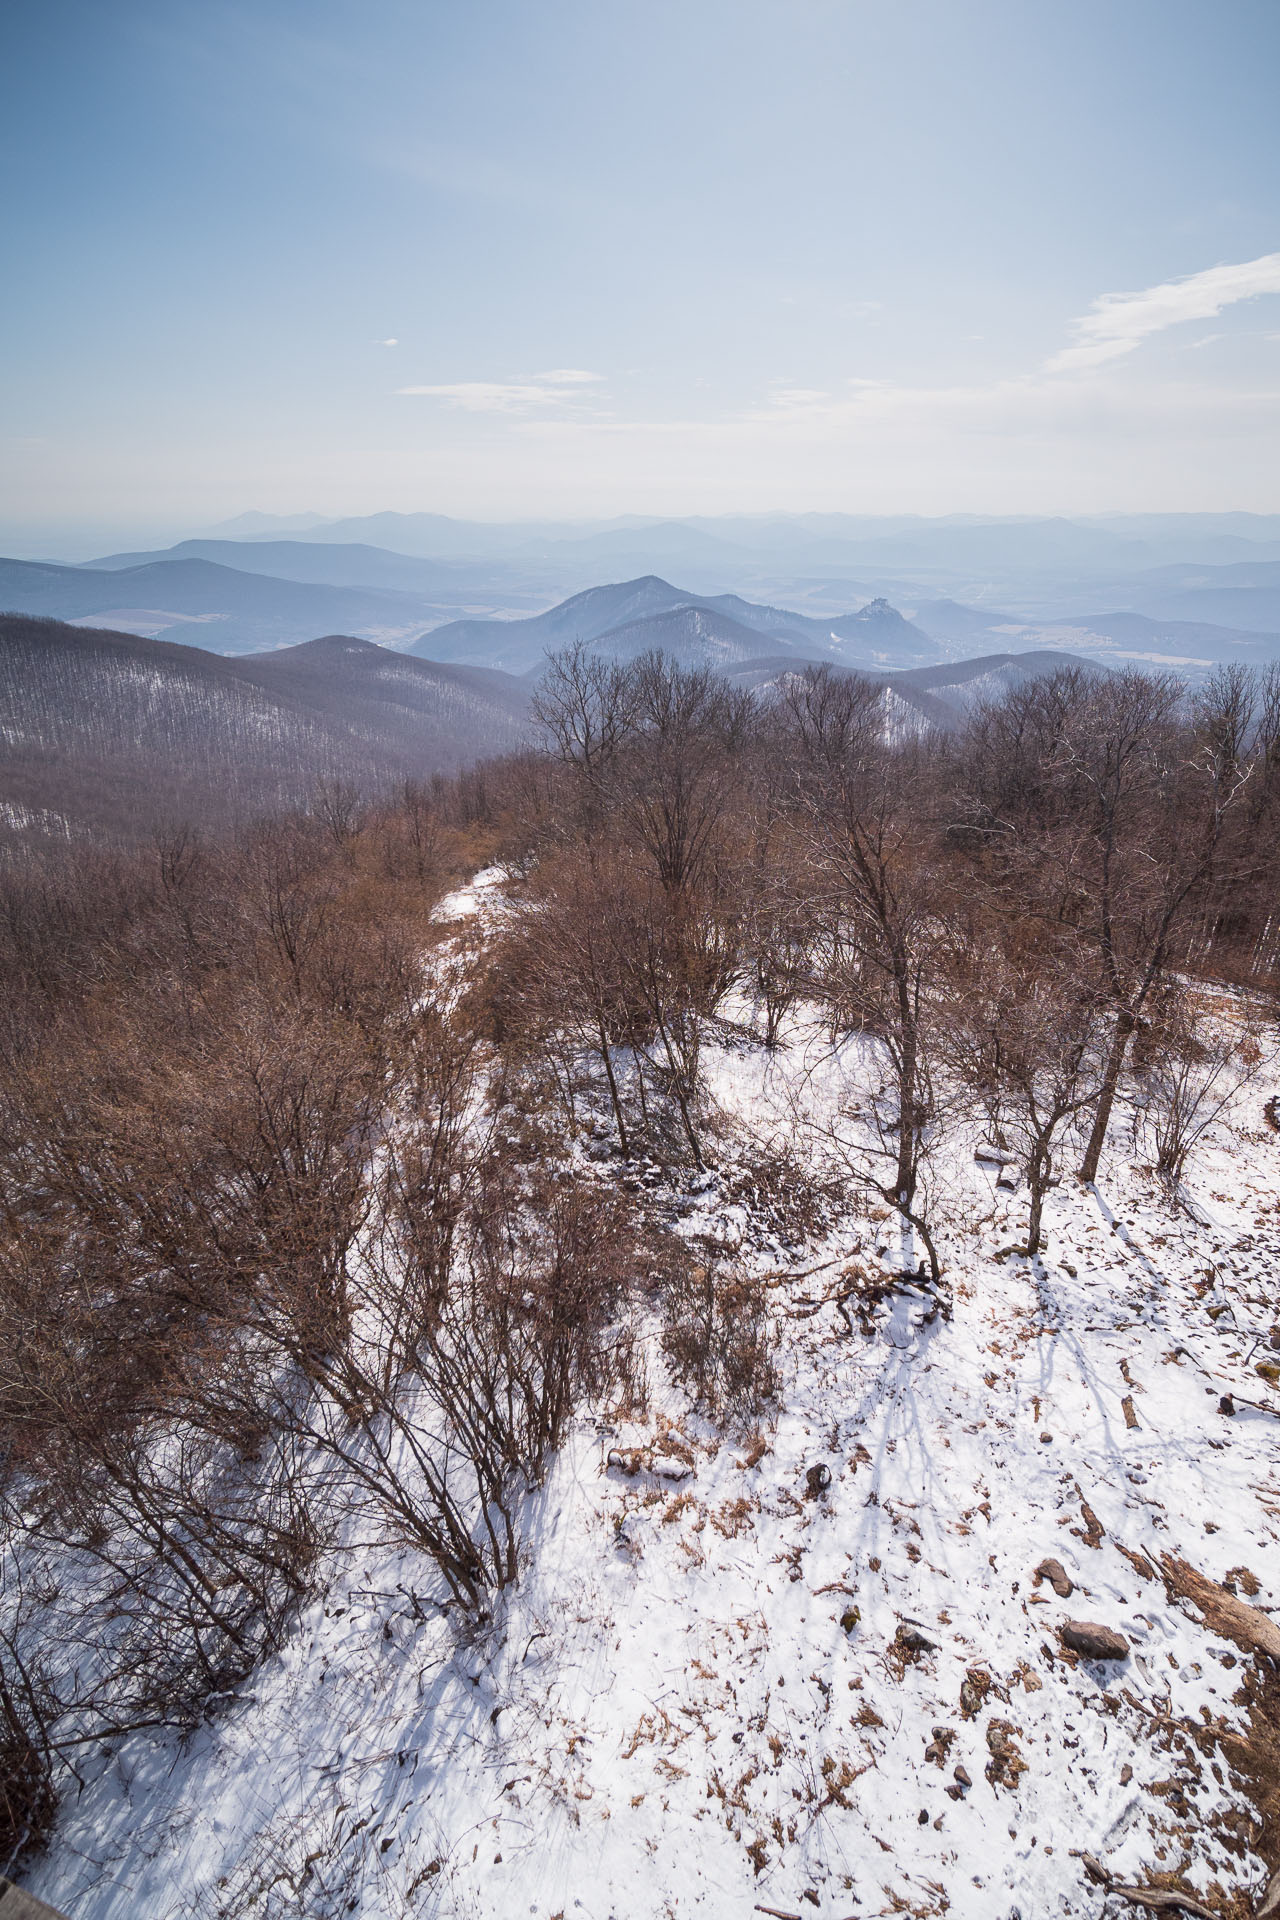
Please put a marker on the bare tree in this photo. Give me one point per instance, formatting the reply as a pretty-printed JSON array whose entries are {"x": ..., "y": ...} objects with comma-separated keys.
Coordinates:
[
  {"x": 872, "y": 874},
  {"x": 1100, "y": 806},
  {"x": 1027, "y": 1032}
]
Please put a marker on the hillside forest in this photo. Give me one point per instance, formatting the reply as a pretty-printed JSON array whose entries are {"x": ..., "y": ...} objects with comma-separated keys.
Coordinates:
[{"x": 329, "y": 1220}]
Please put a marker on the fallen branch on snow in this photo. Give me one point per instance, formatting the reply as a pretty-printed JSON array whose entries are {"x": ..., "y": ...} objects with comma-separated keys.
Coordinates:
[
  {"x": 1157, "y": 1899},
  {"x": 1248, "y": 1626}
]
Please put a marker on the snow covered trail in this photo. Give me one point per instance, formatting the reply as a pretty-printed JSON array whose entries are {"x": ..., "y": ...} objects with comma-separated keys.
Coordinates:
[{"x": 731, "y": 1689}]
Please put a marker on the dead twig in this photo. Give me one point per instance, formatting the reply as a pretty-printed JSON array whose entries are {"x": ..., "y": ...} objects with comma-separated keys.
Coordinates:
[{"x": 782, "y": 1278}]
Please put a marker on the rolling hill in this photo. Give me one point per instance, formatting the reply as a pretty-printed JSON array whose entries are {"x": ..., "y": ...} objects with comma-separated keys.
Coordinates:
[
  {"x": 1189, "y": 647},
  {"x": 939, "y": 696},
  {"x": 1256, "y": 609},
  {"x": 113, "y": 733},
  {"x": 230, "y": 611}
]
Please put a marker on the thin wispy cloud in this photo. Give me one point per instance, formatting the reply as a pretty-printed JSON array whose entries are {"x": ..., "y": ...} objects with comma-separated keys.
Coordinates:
[
  {"x": 1119, "y": 322},
  {"x": 558, "y": 388}
]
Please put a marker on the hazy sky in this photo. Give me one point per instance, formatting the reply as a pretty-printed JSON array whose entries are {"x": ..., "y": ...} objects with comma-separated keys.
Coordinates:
[{"x": 527, "y": 257}]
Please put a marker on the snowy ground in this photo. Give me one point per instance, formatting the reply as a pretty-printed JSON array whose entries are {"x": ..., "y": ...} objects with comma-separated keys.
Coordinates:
[{"x": 720, "y": 1692}]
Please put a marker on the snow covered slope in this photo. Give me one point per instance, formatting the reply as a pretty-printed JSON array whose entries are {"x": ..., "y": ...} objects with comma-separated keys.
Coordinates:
[{"x": 730, "y": 1683}]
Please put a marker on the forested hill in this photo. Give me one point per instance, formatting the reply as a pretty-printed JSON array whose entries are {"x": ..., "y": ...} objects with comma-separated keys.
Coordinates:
[
  {"x": 691, "y": 1310},
  {"x": 109, "y": 733}
]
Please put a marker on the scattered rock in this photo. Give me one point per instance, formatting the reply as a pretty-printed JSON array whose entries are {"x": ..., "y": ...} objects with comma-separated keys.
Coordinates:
[
  {"x": 1046, "y": 1439},
  {"x": 1092, "y": 1641},
  {"x": 817, "y": 1480},
  {"x": 909, "y": 1644},
  {"x": 974, "y": 1689},
  {"x": 667, "y": 1467},
  {"x": 1126, "y": 1774},
  {"x": 1226, "y": 1405},
  {"x": 849, "y": 1619},
  {"x": 1056, "y": 1574},
  {"x": 962, "y": 1778},
  {"x": 1006, "y": 1764},
  {"x": 1094, "y": 1532}
]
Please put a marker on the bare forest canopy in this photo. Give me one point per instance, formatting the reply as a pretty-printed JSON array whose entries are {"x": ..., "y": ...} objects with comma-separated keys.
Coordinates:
[
  {"x": 293, "y": 1234},
  {"x": 115, "y": 736}
]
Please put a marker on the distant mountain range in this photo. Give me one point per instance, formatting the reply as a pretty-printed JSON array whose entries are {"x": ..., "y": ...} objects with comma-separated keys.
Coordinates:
[
  {"x": 972, "y": 544},
  {"x": 246, "y": 596},
  {"x": 233, "y": 610},
  {"x": 221, "y": 607},
  {"x": 435, "y": 631},
  {"x": 328, "y": 564},
  {"x": 636, "y": 616}
]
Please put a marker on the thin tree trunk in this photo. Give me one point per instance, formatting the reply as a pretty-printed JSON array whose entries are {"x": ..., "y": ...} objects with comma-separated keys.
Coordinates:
[
  {"x": 677, "y": 1081},
  {"x": 1125, "y": 1024},
  {"x": 613, "y": 1092},
  {"x": 908, "y": 1076}
]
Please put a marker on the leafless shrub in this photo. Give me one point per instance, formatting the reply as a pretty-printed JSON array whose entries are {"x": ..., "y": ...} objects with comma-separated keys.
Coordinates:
[
  {"x": 28, "y": 1800},
  {"x": 719, "y": 1337},
  {"x": 1191, "y": 1063},
  {"x": 605, "y": 959},
  {"x": 1028, "y": 1034},
  {"x": 784, "y": 1193}
]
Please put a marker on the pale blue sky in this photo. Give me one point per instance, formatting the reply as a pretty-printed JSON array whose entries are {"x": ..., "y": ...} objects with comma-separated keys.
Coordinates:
[{"x": 813, "y": 253}]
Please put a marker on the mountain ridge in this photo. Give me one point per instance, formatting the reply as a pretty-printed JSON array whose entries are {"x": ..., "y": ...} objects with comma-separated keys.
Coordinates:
[{"x": 871, "y": 636}]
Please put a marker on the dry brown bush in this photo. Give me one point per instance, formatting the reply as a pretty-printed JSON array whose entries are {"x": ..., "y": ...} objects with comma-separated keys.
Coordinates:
[{"x": 719, "y": 1337}]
